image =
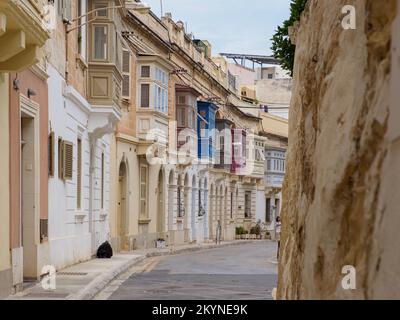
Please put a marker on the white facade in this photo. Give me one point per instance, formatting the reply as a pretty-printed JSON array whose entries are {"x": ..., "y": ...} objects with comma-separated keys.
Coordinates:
[{"x": 76, "y": 230}]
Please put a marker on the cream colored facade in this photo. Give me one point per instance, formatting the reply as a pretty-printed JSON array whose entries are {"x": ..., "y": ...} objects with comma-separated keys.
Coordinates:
[{"x": 172, "y": 188}]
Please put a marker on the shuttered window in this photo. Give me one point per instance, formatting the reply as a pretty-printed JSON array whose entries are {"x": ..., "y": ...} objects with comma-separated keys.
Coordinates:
[
  {"x": 60, "y": 159},
  {"x": 65, "y": 159},
  {"x": 68, "y": 153},
  {"x": 126, "y": 67},
  {"x": 143, "y": 190},
  {"x": 79, "y": 175},
  {"x": 145, "y": 95},
  {"x": 51, "y": 146}
]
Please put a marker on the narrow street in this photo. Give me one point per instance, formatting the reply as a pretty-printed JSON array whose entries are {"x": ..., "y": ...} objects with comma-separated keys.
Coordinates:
[{"x": 240, "y": 272}]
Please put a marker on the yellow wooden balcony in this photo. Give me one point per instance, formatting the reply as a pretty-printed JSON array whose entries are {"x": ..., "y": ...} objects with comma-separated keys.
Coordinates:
[{"x": 22, "y": 33}]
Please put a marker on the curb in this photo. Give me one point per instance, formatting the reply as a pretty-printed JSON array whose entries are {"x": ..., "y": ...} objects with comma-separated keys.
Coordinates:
[{"x": 100, "y": 282}]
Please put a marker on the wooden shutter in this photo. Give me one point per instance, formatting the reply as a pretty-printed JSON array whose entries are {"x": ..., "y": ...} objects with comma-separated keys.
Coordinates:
[
  {"x": 79, "y": 175},
  {"x": 60, "y": 159},
  {"x": 126, "y": 67},
  {"x": 68, "y": 152},
  {"x": 50, "y": 151}
]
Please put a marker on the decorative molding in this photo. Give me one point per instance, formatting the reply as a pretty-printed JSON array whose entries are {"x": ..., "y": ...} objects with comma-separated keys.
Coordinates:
[{"x": 39, "y": 72}]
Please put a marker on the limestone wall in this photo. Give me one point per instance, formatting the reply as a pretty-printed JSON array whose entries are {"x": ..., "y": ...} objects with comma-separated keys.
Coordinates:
[{"x": 341, "y": 194}]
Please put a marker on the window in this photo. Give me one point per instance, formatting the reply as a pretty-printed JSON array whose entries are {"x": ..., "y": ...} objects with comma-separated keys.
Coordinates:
[
  {"x": 68, "y": 153},
  {"x": 181, "y": 117},
  {"x": 181, "y": 99},
  {"x": 51, "y": 145},
  {"x": 145, "y": 72},
  {"x": 180, "y": 206},
  {"x": 160, "y": 99},
  {"x": 190, "y": 118},
  {"x": 231, "y": 205},
  {"x": 270, "y": 76},
  {"x": 65, "y": 159},
  {"x": 145, "y": 96},
  {"x": 64, "y": 9},
  {"x": 143, "y": 190},
  {"x": 118, "y": 52},
  {"x": 268, "y": 210},
  {"x": 79, "y": 175},
  {"x": 154, "y": 93},
  {"x": 80, "y": 42},
  {"x": 126, "y": 80},
  {"x": 101, "y": 13},
  {"x": 200, "y": 208},
  {"x": 100, "y": 42},
  {"x": 60, "y": 158},
  {"x": 102, "y": 181},
  {"x": 247, "y": 204}
]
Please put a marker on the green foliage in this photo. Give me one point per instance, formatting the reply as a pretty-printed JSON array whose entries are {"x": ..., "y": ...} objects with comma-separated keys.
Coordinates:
[
  {"x": 240, "y": 230},
  {"x": 256, "y": 230},
  {"x": 282, "y": 48}
]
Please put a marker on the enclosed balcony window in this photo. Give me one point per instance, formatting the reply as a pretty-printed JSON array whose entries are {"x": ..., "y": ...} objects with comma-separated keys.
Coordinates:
[
  {"x": 154, "y": 93},
  {"x": 103, "y": 13},
  {"x": 275, "y": 161},
  {"x": 145, "y": 72},
  {"x": 100, "y": 38},
  {"x": 145, "y": 95}
]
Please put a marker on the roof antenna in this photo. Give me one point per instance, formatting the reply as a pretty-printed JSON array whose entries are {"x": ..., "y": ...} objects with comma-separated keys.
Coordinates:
[{"x": 161, "y": 5}]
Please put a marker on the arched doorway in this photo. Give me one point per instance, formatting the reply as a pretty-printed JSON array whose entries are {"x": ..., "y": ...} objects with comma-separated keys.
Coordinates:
[
  {"x": 160, "y": 204},
  {"x": 122, "y": 217}
]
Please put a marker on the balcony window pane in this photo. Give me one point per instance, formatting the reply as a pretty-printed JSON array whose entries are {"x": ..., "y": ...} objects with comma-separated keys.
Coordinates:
[
  {"x": 100, "y": 42},
  {"x": 145, "y": 71},
  {"x": 145, "y": 96}
]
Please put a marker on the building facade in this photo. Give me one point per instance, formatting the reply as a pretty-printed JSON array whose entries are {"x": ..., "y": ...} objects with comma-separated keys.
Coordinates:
[
  {"x": 122, "y": 128},
  {"x": 24, "y": 112}
]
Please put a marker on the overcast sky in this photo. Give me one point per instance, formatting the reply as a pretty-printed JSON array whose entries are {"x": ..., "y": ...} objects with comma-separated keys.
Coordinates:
[{"x": 232, "y": 26}]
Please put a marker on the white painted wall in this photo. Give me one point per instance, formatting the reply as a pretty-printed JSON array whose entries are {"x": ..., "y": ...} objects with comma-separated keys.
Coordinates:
[
  {"x": 69, "y": 237},
  {"x": 260, "y": 205}
]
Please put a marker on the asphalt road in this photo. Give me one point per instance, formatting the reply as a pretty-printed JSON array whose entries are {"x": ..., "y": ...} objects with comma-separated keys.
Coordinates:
[{"x": 240, "y": 272}]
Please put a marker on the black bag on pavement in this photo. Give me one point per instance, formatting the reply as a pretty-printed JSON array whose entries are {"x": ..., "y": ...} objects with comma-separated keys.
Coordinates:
[{"x": 105, "y": 251}]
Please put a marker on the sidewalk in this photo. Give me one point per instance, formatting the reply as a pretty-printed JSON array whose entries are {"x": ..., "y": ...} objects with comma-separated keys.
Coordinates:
[{"x": 84, "y": 280}]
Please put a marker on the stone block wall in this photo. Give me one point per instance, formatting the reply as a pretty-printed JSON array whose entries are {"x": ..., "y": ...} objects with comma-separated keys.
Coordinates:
[{"x": 341, "y": 205}]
